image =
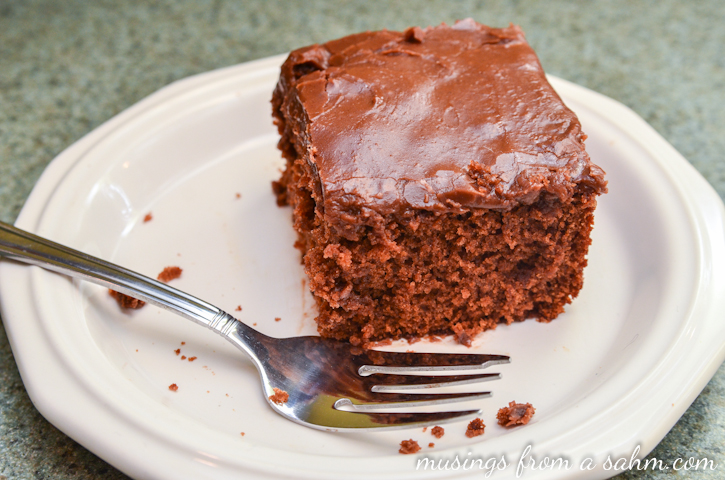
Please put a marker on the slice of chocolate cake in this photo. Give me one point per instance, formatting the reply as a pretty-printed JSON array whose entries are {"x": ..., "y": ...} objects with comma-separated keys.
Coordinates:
[{"x": 439, "y": 185}]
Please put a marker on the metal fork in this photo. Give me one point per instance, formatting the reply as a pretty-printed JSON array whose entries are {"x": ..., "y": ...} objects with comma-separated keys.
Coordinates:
[{"x": 320, "y": 383}]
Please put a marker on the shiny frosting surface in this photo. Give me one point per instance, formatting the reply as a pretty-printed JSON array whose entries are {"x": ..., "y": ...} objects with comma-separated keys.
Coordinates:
[{"x": 443, "y": 118}]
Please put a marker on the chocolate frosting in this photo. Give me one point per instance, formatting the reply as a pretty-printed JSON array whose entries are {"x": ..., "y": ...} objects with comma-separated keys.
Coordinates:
[{"x": 443, "y": 118}]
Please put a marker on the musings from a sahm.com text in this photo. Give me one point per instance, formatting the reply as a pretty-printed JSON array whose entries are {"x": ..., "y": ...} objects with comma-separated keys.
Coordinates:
[{"x": 526, "y": 462}]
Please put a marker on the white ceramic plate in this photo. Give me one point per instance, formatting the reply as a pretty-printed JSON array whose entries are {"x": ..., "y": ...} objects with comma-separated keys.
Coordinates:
[{"x": 614, "y": 372}]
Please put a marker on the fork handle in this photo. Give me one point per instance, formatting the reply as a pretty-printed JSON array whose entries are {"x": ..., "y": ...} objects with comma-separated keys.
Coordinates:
[{"x": 25, "y": 247}]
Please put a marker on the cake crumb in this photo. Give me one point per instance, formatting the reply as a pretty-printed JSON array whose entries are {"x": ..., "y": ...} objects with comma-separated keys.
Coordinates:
[
  {"x": 183, "y": 357},
  {"x": 239, "y": 308},
  {"x": 279, "y": 397},
  {"x": 431, "y": 445},
  {"x": 169, "y": 273},
  {"x": 461, "y": 335},
  {"x": 126, "y": 301},
  {"x": 148, "y": 218},
  {"x": 177, "y": 351},
  {"x": 424, "y": 429},
  {"x": 437, "y": 431},
  {"x": 242, "y": 433},
  {"x": 238, "y": 195},
  {"x": 409, "y": 446},
  {"x": 173, "y": 387},
  {"x": 277, "y": 319},
  {"x": 183, "y": 343},
  {"x": 380, "y": 343},
  {"x": 191, "y": 359},
  {"x": 475, "y": 428},
  {"x": 515, "y": 414}
]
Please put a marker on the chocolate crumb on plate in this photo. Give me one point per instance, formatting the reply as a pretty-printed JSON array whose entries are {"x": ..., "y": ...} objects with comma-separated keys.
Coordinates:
[
  {"x": 431, "y": 445},
  {"x": 169, "y": 273},
  {"x": 475, "y": 428},
  {"x": 409, "y": 446},
  {"x": 515, "y": 414},
  {"x": 126, "y": 301},
  {"x": 279, "y": 397},
  {"x": 173, "y": 387},
  {"x": 148, "y": 218},
  {"x": 437, "y": 431}
]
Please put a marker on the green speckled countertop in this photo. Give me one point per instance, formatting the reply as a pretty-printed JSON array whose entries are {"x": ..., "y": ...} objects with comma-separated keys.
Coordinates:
[{"x": 66, "y": 67}]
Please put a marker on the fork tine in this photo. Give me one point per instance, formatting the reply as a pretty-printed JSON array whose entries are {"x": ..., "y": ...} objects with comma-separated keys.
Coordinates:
[
  {"x": 396, "y": 363},
  {"x": 407, "y": 402},
  {"x": 413, "y": 399},
  {"x": 393, "y": 421},
  {"x": 367, "y": 370},
  {"x": 424, "y": 381},
  {"x": 411, "y": 359},
  {"x": 419, "y": 384}
]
